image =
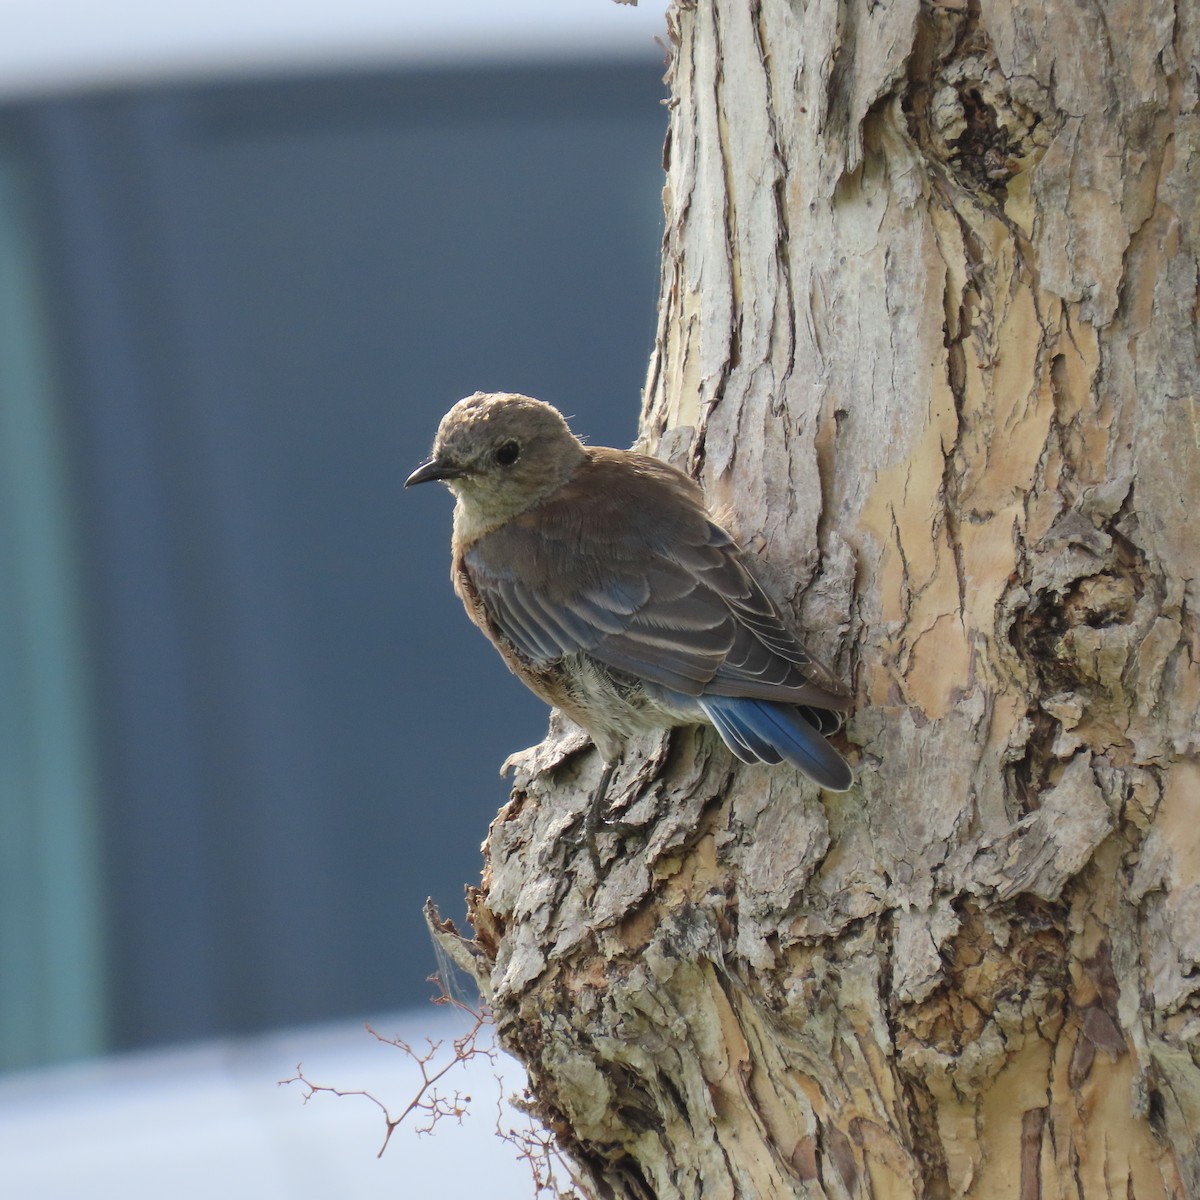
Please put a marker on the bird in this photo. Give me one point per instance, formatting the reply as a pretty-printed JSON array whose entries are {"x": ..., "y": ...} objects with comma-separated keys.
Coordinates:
[{"x": 611, "y": 591}]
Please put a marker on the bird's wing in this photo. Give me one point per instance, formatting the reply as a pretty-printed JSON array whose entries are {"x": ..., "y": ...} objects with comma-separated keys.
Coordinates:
[{"x": 626, "y": 565}]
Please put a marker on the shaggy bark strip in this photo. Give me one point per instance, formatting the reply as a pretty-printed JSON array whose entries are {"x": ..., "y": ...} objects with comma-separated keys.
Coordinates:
[{"x": 928, "y": 333}]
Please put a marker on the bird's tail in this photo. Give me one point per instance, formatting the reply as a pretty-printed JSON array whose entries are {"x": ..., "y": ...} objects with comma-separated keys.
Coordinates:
[{"x": 770, "y": 732}]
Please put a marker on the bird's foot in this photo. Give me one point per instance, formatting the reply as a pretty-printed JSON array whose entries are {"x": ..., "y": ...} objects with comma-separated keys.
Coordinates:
[
  {"x": 595, "y": 822},
  {"x": 593, "y": 819}
]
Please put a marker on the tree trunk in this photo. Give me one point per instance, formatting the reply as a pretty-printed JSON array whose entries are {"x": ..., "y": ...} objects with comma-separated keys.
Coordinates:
[{"x": 927, "y": 336}]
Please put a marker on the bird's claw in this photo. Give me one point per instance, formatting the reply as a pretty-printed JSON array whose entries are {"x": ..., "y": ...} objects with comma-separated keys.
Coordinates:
[{"x": 594, "y": 820}]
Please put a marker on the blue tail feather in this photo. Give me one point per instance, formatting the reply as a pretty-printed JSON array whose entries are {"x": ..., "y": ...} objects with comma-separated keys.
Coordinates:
[
  {"x": 766, "y": 731},
  {"x": 740, "y": 735}
]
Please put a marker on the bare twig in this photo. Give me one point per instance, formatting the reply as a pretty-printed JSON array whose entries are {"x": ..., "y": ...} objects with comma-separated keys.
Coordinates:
[
  {"x": 550, "y": 1171},
  {"x": 435, "y": 1105},
  {"x": 537, "y": 1148}
]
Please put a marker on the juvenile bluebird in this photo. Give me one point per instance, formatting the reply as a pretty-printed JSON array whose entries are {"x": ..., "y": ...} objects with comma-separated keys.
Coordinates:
[{"x": 611, "y": 592}]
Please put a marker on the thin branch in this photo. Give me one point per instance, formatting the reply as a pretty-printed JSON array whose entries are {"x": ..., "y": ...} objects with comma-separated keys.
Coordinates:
[{"x": 428, "y": 1100}]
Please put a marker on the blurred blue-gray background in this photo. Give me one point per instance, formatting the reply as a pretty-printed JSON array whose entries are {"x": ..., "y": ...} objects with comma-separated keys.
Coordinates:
[{"x": 245, "y": 727}]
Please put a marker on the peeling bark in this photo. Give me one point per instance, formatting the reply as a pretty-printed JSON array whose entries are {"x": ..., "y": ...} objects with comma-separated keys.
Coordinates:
[{"x": 928, "y": 335}]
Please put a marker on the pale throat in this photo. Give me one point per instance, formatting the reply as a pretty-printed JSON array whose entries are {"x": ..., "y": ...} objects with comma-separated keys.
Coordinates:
[
  {"x": 478, "y": 511},
  {"x": 471, "y": 522}
]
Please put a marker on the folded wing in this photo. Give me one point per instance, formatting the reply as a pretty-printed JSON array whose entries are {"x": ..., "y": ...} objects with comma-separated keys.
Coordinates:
[{"x": 624, "y": 564}]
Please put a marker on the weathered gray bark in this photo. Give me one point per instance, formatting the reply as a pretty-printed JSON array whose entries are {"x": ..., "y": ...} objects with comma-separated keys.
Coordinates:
[{"x": 928, "y": 334}]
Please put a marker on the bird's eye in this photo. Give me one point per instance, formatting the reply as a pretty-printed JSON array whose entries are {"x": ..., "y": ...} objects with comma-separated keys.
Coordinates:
[{"x": 507, "y": 453}]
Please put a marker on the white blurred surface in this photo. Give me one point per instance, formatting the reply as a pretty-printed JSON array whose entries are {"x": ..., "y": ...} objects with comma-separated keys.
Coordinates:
[
  {"x": 55, "y": 45},
  {"x": 212, "y": 1121}
]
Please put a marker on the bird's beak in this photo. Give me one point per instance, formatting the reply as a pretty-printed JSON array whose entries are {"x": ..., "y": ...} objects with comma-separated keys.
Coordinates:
[{"x": 432, "y": 469}]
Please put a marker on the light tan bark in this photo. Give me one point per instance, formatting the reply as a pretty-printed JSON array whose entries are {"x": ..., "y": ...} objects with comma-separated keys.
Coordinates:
[{"x": 928, "y": 334}]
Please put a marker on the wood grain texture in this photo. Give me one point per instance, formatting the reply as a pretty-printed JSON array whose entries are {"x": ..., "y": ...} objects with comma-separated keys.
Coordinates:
[{"x": 927, "y": 332}]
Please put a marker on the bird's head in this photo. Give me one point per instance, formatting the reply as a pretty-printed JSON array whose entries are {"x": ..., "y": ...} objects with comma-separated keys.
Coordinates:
[{"x": 500, "y": 454}]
